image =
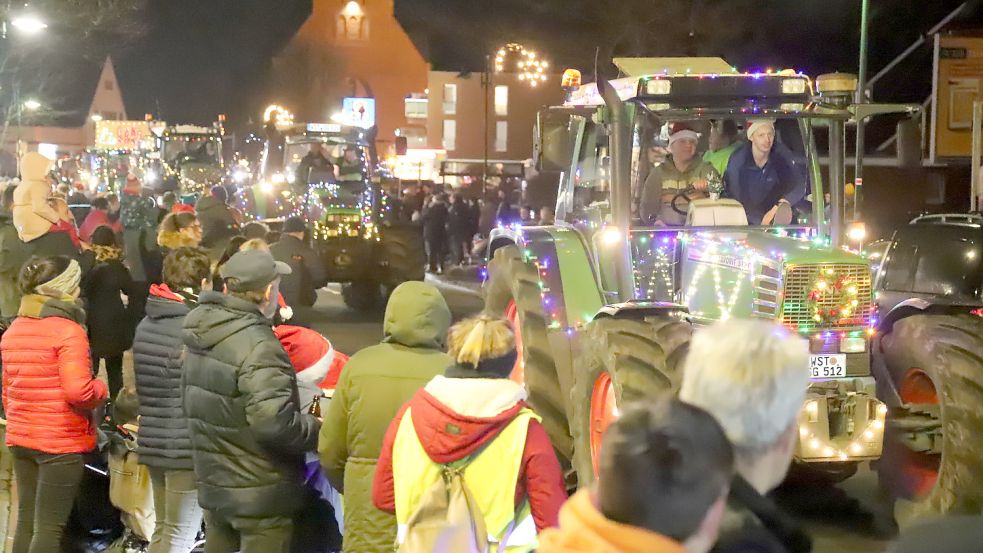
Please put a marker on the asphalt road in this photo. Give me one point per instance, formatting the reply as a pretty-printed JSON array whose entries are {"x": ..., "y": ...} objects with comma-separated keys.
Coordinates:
[{"x": 847, "y": 518}]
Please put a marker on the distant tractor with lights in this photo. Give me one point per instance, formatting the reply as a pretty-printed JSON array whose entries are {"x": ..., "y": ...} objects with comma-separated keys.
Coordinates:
[
  {"x": 928, "y": 360},
  {"x": 326, "y": 173},
  {"x": 190, "y": 158},
  {"x": 605, "y": 301}
]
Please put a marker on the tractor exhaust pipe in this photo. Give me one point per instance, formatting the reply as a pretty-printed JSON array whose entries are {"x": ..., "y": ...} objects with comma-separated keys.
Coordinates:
[{"x": 620, "y": 155}]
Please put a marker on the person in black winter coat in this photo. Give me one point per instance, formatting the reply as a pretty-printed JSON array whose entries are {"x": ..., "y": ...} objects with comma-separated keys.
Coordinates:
[
  {"x": 165, "y": 445},
  {"x": 434, "y": 219},
  {"x": 107, "y": 319},
  {"x": 299, "y": 288},
  {"x": 459, "y": 229},
  {"x": 248, "y": 434}
]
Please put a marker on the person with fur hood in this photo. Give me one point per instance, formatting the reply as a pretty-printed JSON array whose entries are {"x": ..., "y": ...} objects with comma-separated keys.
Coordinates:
[
  {"x": 475, "y": 412},
  {"x": 179, "y": 230}
]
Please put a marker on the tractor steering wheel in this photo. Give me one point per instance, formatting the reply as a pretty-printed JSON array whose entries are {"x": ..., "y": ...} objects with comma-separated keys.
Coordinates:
[{"x": 682, "y": 197}]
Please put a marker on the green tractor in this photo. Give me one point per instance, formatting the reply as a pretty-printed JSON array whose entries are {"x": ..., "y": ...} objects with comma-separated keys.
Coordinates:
[
  {"x": 351, "y": 220},
  {"x": 605, "y": 304},
  {"x": 190, "y": 158}
]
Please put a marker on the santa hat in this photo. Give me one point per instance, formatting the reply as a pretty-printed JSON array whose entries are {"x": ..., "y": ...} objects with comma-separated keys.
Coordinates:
[
  {"x": 680, "y": 131},
  {"x": 753, "y": 125},
  {"x": 179, "y": 208},
  {"x": 312, "y": 356}
]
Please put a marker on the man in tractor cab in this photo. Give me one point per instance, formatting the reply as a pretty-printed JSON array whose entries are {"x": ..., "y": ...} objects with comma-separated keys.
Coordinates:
[
  {"x": 752, "y": 377},
  {"x": 314, "y": 162},
  {"x": 350, "y": 166},
  {"x": 762, "y": 176},
  {"x": 681, "y": 174}
]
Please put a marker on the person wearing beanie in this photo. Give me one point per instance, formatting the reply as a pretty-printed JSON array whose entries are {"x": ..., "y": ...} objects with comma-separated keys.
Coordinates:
[
  {"x": 376, "y": 382},
  {"x": 219, "y": 222},
  {"x": 475, "y": 412},
  {"x": 681, "y": 173},
  {"x": 300, "y": 288},
  {"x": 165, "y": 443},
  {"x": 664, "y": 471},
  {"x": 49, "y": 394},
  {"x": 765, "y": 177}
]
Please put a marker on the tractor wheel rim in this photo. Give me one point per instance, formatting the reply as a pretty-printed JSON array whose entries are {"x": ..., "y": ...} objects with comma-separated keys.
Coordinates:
[
  {"x": 603, "y": 411},
  {"x": 518, "y": 373},
  {"x": 919, "y": 470}
]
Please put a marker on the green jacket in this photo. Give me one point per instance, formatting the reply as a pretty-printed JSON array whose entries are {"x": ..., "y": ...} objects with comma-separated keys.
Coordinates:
[
  {"x": 239, "y": 391},
  {"x": 13, "y": 254},
  {"x": 720, "y": 158},
  {"x": 375, "y": 383}
]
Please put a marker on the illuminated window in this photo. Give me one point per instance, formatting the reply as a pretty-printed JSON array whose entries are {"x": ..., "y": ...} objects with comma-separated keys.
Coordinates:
[
  {"x": 501, "y": 100},
  {"x": 450, "y": 99},
  {"x": 352, "y": 24},
  {"x": 450, "y": 134},
  {"x": 501, "y": 136}
]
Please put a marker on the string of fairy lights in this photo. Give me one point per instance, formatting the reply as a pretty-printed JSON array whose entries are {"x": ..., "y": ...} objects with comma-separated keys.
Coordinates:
[{"x": 527, "y": 64}]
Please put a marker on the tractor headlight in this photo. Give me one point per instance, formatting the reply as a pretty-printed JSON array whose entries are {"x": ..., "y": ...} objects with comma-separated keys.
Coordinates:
[
  {"x": 266, "y": 187},
  {"x": 853, "y": 344},
  {"x": 278, "y": 178},
  {"x": 793, "y": 86},
  {"x": 149, "y": 176},
  {"x": 658, "y": 87},
  {"x": 239, "y": 176},
  {"x": 291, "y": 178}
]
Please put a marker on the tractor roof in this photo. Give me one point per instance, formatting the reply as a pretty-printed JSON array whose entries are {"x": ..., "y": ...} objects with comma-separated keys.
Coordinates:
[{"x": 315, "y": 132}]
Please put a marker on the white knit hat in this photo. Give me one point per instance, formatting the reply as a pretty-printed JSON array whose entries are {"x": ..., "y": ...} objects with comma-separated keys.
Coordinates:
[{"x": 753, "y": 125}]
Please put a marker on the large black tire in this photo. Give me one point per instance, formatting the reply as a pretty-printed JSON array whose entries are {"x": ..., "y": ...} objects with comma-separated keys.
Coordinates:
[
  {"x": 510, "y": 278},
  {"x": 643, "y": 357},
  {"x": 949, "y": 349},
  {"x": 362, "y": 295},
  {"x": 401, "y": 252}
]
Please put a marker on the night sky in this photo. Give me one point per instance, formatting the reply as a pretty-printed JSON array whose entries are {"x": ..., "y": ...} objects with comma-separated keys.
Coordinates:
[{"x": 198, "y": 58}]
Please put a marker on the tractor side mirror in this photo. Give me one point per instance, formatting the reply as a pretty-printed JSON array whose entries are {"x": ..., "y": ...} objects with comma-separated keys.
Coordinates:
[{"x": 553, "y": 144}]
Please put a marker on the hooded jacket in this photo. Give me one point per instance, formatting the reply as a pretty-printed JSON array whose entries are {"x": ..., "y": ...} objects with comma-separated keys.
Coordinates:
[
  {"x": 584, "y": 529},
  {"x": 48, "y": 387},
  {"x": 158, "y": 355},
  {"x": 376, "y": 382},
  {"x": 218, "y": 224},
  {"x": 753, "y": 523},
  {"x": 248, "y": 435},
  {"x": 33, "y": 216},
  {"x": 477, "y": 409}
]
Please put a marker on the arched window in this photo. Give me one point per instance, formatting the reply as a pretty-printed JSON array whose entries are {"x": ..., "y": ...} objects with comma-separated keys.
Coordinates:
[{"x": 352, "y": 23}]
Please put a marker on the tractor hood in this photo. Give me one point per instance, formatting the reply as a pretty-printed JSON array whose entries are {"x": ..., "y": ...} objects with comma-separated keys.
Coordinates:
[{"x": 794, "y": 250}]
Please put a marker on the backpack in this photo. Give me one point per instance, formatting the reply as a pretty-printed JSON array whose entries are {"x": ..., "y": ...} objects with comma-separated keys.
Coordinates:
[{"x": 448, "y": 517}]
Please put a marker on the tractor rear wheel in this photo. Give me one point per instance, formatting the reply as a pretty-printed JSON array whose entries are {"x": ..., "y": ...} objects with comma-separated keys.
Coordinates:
[
  {"x": 936, "y": 363},
  {"x": 512, "y": 291},
  {"x": 622, "y": 360},
  {"x": 401, "y": 251},
  {"x": 362, "y": 295}
]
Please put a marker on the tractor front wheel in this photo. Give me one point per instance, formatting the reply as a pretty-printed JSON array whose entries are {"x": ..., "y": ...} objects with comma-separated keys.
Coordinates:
[{"x": 622, "y": 360}]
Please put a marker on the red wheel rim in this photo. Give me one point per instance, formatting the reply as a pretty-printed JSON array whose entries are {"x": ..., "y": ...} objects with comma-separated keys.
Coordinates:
[
  {"x": 603, "y": 411},
  {"x": 919, "y": 471},
  {"x": 519, "y": 369}
]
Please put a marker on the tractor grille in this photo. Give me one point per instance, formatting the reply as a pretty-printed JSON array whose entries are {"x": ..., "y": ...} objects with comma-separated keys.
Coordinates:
[{"x": 797, "y": 309}]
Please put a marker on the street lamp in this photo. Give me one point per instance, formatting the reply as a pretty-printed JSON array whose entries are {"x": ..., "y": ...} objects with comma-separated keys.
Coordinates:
[
  {"x": 32, "y": 105},
  {"x": 28, "y": 23}
]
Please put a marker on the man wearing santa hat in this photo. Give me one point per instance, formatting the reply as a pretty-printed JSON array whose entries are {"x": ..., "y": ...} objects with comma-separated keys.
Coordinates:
[
  {"x": 764, "y": 176},
  {"x": 681, "y": 171}
]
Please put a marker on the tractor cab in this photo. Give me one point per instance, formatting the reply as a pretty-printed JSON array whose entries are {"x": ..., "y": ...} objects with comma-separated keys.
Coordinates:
[{"x": 189, "y": 157}]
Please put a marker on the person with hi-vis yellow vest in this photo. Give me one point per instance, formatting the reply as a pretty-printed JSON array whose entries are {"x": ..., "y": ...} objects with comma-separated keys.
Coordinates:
[{"x": 475, "y": 412}]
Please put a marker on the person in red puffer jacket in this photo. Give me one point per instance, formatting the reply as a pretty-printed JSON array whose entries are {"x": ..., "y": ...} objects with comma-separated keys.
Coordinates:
[
  {"x": 48, "y": 396},
  {"x": 475, "y": 413}
]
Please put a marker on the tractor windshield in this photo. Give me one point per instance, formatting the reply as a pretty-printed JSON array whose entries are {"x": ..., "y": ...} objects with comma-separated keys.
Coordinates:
[
  {"x": 180, "y": 148},
  {"x": 326, "y": 161}
]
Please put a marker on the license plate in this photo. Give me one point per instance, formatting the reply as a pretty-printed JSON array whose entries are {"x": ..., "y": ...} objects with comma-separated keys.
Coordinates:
[{"x": 828, "y": 366}]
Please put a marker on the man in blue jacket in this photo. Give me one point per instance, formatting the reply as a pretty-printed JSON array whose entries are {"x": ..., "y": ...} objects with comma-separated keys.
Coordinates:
[{"x": 763, "y": 176}]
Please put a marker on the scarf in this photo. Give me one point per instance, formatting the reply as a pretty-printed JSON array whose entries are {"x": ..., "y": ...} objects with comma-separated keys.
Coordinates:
[
  {"x": 64, "y": 284},
  {"x": 107, "y": 253},
  {"x": 38, "y": 306}
]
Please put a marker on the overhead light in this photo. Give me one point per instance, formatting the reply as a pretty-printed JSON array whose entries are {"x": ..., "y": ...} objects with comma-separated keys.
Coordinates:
[
  {"x": 28, "y": 24},
  {"x": 32, "y": 105},
  {"x": 95, "y": 117}
]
